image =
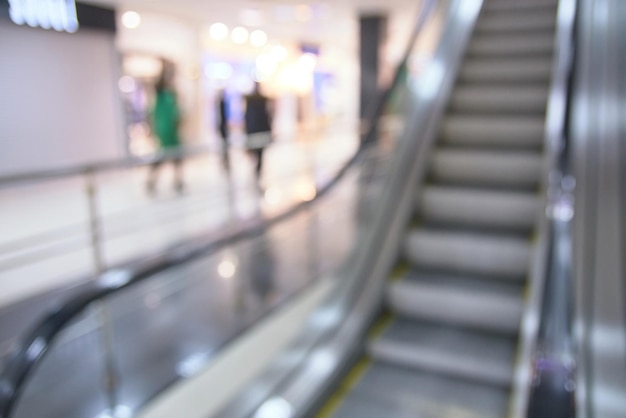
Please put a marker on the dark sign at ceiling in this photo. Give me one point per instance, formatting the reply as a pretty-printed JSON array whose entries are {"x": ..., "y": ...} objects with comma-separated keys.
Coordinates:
[{"x": 60, "y": 15}]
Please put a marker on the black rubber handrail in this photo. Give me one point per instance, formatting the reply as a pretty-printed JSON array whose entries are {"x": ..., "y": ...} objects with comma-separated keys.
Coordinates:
[{"x": 40, "y": 338}]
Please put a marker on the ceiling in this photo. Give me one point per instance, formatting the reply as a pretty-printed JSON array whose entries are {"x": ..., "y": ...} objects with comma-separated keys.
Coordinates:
[{"x": 315, "y": 20}]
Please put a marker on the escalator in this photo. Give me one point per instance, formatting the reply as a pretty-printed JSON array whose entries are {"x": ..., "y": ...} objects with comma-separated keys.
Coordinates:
[
  {"x": 448, "y": 340},
  {"x": 456, "y": 209}
]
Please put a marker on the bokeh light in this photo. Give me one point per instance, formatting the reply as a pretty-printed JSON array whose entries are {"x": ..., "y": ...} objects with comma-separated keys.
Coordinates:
[
  {"x": 218, "y": 31},
  {"x": 239, "y": 35},
  {"x": 258, "y": 38},
  {"x": 131, "y": 19}
]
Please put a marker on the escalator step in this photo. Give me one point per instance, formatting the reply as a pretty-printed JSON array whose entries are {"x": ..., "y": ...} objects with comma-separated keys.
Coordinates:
[
  {"x": 499, "y": 99},
  {"x": 479, "y": 207},
  {"x": 445, "y": 350},
  {"x": 493, "y": 131},
  {"x": 466, "y": 302},
  {"x": 395, "y": 392},
  {"x": 514, "y": 70},
  {"x": 521, "y": 20},
  {"x": 540, "y": 42},
  {"x": 487, "y": 168},
  {"x": 495, "y": 255},
  {"x": 511, "y": 5}
]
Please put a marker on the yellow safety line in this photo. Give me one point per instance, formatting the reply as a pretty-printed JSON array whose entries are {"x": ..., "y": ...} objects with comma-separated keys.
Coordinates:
[
  {"x": 345, "y": 387},
  {"x": 518, "y": 353},
  {"x": 525, "y": 295},
  {"x": 358, "y": 370},
  {"x": 381, "y": 325},
  {"x": 399, "y": 271},
  {"x": 356, "y": 373},
  {"x": 416, "y": 222}
]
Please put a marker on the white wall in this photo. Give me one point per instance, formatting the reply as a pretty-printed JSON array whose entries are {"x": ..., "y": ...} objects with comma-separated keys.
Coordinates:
[{"x": 59, "y": 102}]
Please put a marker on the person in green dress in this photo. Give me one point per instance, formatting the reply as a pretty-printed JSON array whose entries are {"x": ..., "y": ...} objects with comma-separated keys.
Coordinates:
[{"x": 165, "y": 123}]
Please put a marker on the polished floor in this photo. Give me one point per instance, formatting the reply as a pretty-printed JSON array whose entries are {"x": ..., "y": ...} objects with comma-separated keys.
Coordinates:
[
  {"x": 46, "y": 243},
  {"x": 169, "y": 326},
  {"x": 45, "y": 250}
]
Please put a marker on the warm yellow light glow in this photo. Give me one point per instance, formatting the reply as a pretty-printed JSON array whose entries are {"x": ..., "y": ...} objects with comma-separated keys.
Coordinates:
[
  {"x": 265, "y": 64},
  {"x": 279, "y": 52},
  {"x": 307, "y": 62},
  {"x": 304, "y": 13},
  {"x": 293, "y": 78},
  {"x": 305, "y": 190}
]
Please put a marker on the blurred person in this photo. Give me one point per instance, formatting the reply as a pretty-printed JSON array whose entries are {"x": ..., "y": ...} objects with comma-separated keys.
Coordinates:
[
  {"x": 258, "y": 127},
  {"x": 165, "y": 125},
  {"x": 223, "y": 126}
]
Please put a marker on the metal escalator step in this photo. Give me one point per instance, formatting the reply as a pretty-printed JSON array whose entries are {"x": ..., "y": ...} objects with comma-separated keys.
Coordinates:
[
  {"x": 515, "y": 44},
  {"x": 486, "y": 168},
  {"x": 449, "y": 351},
  {"x": 356, "y": 407},
  {"x": 469, "y": 253},
  {"x": 461, "y": 301},
  {"x": 515, "y": 70},
  {"x": 479, "y": 207},
  {"x": 497, "y": 99},
  {"x": 524, "y": 20},
  {"x": 394, "y": 392},
  {"x": 494, "y": 131},
  {"x": 514, "y": 5}
]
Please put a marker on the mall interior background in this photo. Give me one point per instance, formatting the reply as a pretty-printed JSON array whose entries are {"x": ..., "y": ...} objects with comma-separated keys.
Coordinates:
[{"x": 88, "y": 93}]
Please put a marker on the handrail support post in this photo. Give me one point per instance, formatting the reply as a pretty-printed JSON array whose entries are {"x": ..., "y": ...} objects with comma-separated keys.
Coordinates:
[{"x": 102, "y": 309}]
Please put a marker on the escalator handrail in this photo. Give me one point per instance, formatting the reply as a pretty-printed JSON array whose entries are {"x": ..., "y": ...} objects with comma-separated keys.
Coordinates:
[
  {"x": 555, "y": 146},
  {"x": 42, "y": 336}
]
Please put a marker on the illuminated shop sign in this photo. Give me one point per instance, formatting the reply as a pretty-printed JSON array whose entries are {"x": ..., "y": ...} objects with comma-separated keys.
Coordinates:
[{"x": 59, "y": 15}]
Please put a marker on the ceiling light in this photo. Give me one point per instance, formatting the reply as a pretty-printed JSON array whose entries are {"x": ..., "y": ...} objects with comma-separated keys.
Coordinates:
[
  {"x": 218, "y": 31},
  {"x": 131, "y": 19},
  {"x": 258, "y": 38},
  {"x": 239, "y": 35}
]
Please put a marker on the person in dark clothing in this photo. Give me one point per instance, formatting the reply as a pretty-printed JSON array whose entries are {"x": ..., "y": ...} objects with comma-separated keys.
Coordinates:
[
  {"x": 223, "y": 126},
  {"x": 258, "y": 127},
  {"x": 165, "y": 123}
]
